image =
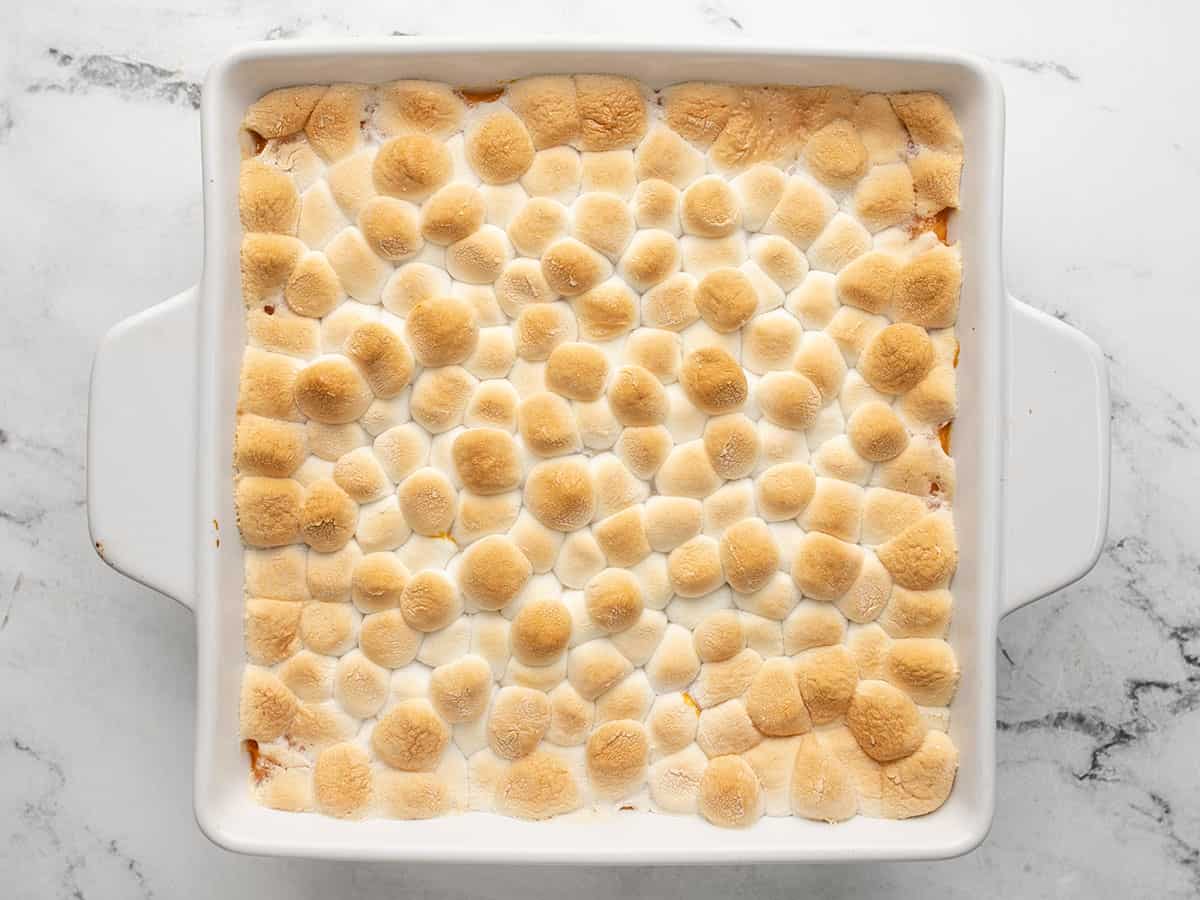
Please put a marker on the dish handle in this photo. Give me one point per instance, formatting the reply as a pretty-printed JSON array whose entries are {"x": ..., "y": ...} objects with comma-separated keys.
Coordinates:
[
  {"x": 1057, "y": 471},
  {"x": 141, "y": 447}
]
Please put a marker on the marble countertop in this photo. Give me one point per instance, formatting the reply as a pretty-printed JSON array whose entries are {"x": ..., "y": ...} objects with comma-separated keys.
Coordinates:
[{"x": 1099, "y": 685}]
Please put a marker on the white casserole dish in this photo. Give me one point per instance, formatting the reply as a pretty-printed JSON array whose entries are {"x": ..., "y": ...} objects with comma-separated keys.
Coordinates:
[{"x": 1031, "y": 444}]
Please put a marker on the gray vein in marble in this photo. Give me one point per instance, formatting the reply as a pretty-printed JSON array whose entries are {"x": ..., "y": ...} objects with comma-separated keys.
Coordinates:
[
  {"x": 12, "y": 600},
  {"x": 43, "y": 815},
  {"x": 129, "y": 77},
  {"x": 1163, "y": 815},
  {"x": 716, "y": 14},
  {"x": 6, "y": 121},
  {"x": 1040, "y": 66}
]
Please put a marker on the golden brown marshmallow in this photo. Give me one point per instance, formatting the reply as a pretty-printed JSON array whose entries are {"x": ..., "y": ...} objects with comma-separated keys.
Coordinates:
[
  {"x": 636, "y": 397},
  {"x": 713, "y": 381},
  {"x": 876, "y": 433},
  {"x": 897, "y": 358},
  {"x": 726, "y": 299},
  {"x": 577, "y": 371},
  {"x": 342, "y": 783},
  {"x": 824, "y": 567},
  {"x": 378, "y": 582},
  {"x": 784, "y": 490},
  {"x": 493, "y": 572},
  {"x": 430, "y": 601},
  {"x": 282, "y": 112},
  {"x": 923, "y": 556},
  {"x": 479, "y": 258},
  {"x": 719, "y": 636},
  {"x": 267, "y": 446},
  {"x": 383, "y": 356},
  {"x": 541, "y": 327},
  {"x": 499, "y": 148},
  {"x": 540, "y": 631},
  {"x": 547, "y": 106},
  {"x": 518, "y": 720},
  {"x": 671, "y": 305},
  {"x": 428, "y": 501},
  {"x": 267, "y": 261},
  {"x": 773, "y": 700},
  {"x": 927, "y": 288},
  {"x": 730, "y": 795},
  {"x": 270, "y": 630},
  {"x": 884, "y": 721},
  {"x": 788, "y": 399},
  {"x": 390, "y": 228},
  {"x": 537, "y": 786},
  {"x": 547, "y": 425},
  {"x": 749, "y": 555},
  {"x": 561, "y": 494},
  {"x": 603, "y": 222},
  {"x": 917, "y": 614},
  {"x": 426, "y": 107},
  {"x": 333, "y": 128},
  {"x": 411, "y": 167},
  {"x": 387, "y": 640},
  {"x": 924, "y": 668},
  {"x": 607, "y": 311},
  {"x": 267, "y": 198},
  {"x": 572, "y": 268},
  {"x": 612, "y": 112},
  {"x": 452, "y": 214},
  {"x": 827, "y": 677},
  {"x": 613, "y": 599},
  {"x": 410, "y": 736},
  {"x": 649, "y": 259},
  {"x": 732, "y": 445},
  {"x": 443, "y": 331},
  {"x": 885, "y": 197},
  {"x": 487, "y": 460},
  {"x": 710, "y": 209},
  {"x": 617, "y": 754},
  {"x": 537, "y": 226}
]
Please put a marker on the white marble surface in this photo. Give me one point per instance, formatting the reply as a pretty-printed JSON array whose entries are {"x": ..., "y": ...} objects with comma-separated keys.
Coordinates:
[{"x": 1099, "y": 685}]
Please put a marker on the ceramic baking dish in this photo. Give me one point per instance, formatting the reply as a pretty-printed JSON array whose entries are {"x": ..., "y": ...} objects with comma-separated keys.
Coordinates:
[{"x": 1031, "y": 444}]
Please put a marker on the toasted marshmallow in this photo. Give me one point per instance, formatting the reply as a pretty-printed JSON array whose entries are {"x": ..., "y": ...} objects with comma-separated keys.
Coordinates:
[
  {"x": 924, "y": 668},
  {"x": 674, "y": 664},
  {"x": 923, "y": 556},
  {"x": 671, "y": 305},
  {"x": 811, "y": 625},
  {"x": 656, "y": 205},
  {"x": 596, "y": 666},
  {"x": 917, "y": 614},
  {"x": 827, "y": 677},
  {"x": 801, "y": 213},
  {"x": 759, "y": 190},
  {"x": 896, "y": 358},
  {"x": 703, "y": 255},
  {"x": 927, "y": 289},
  {"x": 729, "y": 794},
  {"x": 609, "y": 171},
  {"x": 410, "y": 736},
  {"x": 713, "y": 381},
  {"x": 579, "y": 559},
  {"x": 572, "y": 268},
  {"x": 630, "y": 700},
  {"x": 650, "y": 258},
  {"x": 726, "y": 679},
  {"x": 327, "y": 628},
  {"x": 556, "y": 173},
  {"x": 885, "y": 722},
  {"x": 603, "y": 222}
]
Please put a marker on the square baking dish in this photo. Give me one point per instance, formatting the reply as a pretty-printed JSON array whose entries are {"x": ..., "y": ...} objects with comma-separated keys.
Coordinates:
[{"x": 1031, "y": 446}]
